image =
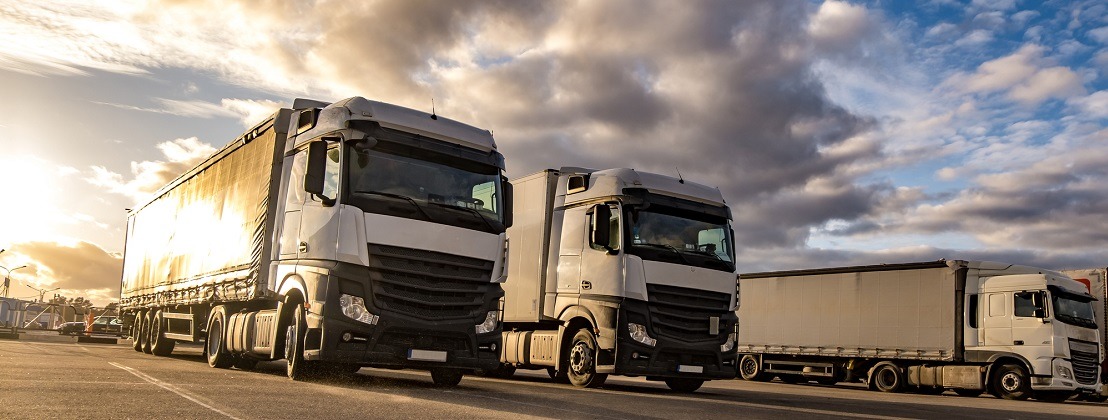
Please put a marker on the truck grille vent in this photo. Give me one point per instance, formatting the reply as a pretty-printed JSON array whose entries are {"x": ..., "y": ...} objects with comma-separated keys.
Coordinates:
[
  {"x": 683, "y": 313},
  {"x": 1084, "y": 363},
  {"x": 428, "y": 285}
]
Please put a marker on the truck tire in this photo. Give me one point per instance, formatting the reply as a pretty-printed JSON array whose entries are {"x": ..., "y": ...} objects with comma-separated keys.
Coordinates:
[
  {"x": 888, "y": 377},
  {"x": 559, "y": 376},
  {"x": 160, "y": 346},
  {"x": 581, "y": 361},
  {"x": 446, "y": 377},
  {"x": 296, "y": 368},
  {"x": 214, "y": 347},
  {"x": 136, "y": 332},
  {"x": 751, "y": 369},
  {"x": 1011, "y": 382},
  {"x": 686, "y": 385},
  {"x": 145, "y": 334}
]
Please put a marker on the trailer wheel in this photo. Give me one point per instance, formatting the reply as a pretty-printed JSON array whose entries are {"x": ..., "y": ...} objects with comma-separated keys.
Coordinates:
[
  {"x": 214, "y": 347},
  {"x": 686, "y": 385},
  {"x": 159, "y": 345},
  {"x": 1010, "y": 382},
  {"x": 582, "y": 361},
  {"x": 446, "y": 377},
  {"x": 751, "y": 369},
  {"x": 145, "y": 334},
  {"x": 887, "y": 377},
  {"x": 136, "y": 332}
]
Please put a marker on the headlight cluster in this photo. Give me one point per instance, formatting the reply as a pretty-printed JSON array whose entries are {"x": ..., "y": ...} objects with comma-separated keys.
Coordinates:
[
  {"x": 354, "y": 307},
  {"x": 730, "y": 343},
  {"x": 638, "y": 333},
  {"x": 489, "y": 325},
  {"x": 1065, "y": 372}
]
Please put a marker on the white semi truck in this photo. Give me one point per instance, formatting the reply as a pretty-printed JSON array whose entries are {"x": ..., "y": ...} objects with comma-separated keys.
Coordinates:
[
  {"x": 620, "y": 272},
  {"x": 334, "y": 236},
  {"x": 1096, "y": 280},
  {"x": 1015, "y": 331}
]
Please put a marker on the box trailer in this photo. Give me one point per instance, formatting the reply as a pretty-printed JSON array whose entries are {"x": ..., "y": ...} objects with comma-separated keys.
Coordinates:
[
  {"x": 334, "y": 236},
  {"x": 620, "y": 272},
  {"x": 964, "y": 325}
]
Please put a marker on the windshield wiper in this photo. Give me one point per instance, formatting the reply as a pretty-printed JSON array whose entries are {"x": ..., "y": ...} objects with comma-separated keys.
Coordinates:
[
  {"x": 708, "y": 253},
  {"x": 483, "y": 218},
  {"x": 400, "y": 197},
  {"x": 669, "y": 247}
]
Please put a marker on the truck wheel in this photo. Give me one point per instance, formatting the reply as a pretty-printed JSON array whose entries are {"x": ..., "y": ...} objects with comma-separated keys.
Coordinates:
[
  {"x": 970, "y": 393},
  {"x": 136, "y": 332},
  {"x": 582, "y": 361},
  {"x": 1010, "y": 382},
  {"x": 686, "y": 385},
  {"x": 751, "y": 369},
  {"x": 160, "y": 346},
  {"x": 887, "y": 377},
  {"x": 214, "y": 347},
  {"x": 145, "y": 334},
  {"x": 446, "y": 377},
  {"x": 296, "y": 367}
]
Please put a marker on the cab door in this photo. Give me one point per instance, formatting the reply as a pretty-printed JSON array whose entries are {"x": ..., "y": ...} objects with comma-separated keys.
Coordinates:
[
  {"x": 602, "y": 258},
  {"x": 319, "y": 227},
  {"x": 1028, "y": 328},
  {"x": 997, "y": 320}
]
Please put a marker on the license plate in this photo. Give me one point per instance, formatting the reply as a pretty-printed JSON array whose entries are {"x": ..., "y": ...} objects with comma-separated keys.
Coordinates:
[
  {"x": 428, "y": 355},
  {"x": 690, "y": 369}
]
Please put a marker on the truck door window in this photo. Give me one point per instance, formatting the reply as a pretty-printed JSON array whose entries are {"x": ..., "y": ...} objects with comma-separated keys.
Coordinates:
[
  {"x": 331, "y": 176},
  {"x": 1027, "y": 305},
  {"x": 613, "y": 224},
  {"x": 295, "y": 193}
]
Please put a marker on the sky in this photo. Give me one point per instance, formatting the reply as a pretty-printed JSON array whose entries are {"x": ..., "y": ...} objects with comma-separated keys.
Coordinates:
[{"x": 840, "y": 132}]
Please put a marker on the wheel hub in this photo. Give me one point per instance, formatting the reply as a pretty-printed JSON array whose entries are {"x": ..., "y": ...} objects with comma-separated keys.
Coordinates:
[
  {"x": 580, "y": 358},
  {"x": 749, "y": 367},
  {"x": 1010, "y": 382}
]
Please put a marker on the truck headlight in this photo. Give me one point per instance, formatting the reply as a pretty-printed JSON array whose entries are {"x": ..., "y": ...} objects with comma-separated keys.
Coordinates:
[
  {"x": 489, "y": 325},
  {"x": 1065, "y": 372},
  {"x": 638, "y": 333},
  {"x": 729, "y": 344},
  {"x": 354, "y": 307}
]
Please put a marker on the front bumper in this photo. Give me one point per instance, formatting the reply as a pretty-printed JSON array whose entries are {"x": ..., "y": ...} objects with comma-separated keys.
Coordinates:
[
  {"x": 1056, "y": 382},
  {"x": 671, "y": 357}
]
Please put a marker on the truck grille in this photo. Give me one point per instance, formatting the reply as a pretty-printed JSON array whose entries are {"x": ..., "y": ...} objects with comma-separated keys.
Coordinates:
[
  {"x": 683, "y": 313},
  {"x": 429, "y": 285},
  {"x": 1084, "y": 362}
]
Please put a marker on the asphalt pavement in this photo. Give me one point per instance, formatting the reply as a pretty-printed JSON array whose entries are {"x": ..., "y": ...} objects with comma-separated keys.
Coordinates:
[{"x": 77, "y": 380}]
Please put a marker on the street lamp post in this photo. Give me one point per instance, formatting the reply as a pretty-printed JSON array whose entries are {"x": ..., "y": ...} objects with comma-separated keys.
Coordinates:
[{"x": 8, "y": 279}]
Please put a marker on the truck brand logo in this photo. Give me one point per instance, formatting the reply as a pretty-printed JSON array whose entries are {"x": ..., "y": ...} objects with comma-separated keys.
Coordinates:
[{"x": 586, "y": 285}]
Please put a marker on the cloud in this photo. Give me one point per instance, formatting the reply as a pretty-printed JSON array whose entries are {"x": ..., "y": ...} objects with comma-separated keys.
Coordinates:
[
  {"x": 149, "y": 176},
  {"x": 1023, "y": 75},
  {"x": 77, "y": 269},
  {"x": 1099, "y": 34},
  {"x": 1094, "y": 105},
  {"x": 251, "y": 111}
]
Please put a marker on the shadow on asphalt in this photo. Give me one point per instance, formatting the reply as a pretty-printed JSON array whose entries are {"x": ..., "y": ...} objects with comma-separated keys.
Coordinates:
[{"x": 759, "y": 400}]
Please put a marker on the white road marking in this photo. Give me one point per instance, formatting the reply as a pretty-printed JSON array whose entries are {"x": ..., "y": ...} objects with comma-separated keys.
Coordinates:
[{"x": 169, "y": 387}]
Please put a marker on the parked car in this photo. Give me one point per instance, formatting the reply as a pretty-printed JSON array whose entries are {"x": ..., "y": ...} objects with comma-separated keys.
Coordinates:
[
  {"x": 71, "y": 328},
  {"x": 107, "y": 325}
]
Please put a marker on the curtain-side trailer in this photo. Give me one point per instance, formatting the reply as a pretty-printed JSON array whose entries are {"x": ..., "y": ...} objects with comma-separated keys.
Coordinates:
[
  {"x": 334, "y": 236},
  {"x": 1014, "y": 331}
]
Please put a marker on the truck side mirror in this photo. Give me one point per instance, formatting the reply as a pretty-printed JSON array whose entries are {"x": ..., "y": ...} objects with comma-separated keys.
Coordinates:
[
  {"x": 1040, "y": 307},
  {"x": 317, "y": 167},
  {"x": 509, "y": 195},
  {"x": 601, "y": 227}
]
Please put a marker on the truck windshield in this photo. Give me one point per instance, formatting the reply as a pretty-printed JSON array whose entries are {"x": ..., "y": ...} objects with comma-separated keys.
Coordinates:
[
  {"x": 680, "y": 236},
  {"x": 1073, "y": 311},
  {"x": 407, "y": 182}
]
